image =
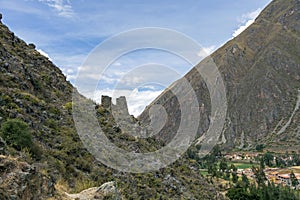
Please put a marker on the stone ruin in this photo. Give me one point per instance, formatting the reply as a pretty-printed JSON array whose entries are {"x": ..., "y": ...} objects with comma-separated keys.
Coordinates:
[
  {"x": 126, "y": 122},
  {"x": 120, "y": 110},
  {"x": 106, "y": 102}
]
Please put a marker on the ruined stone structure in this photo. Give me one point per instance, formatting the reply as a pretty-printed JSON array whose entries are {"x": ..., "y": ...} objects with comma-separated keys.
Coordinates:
[
  {"x": 106, "y": 102},
  {"x": 126, "y": 122},
  {"x": 121, "y": 107}
]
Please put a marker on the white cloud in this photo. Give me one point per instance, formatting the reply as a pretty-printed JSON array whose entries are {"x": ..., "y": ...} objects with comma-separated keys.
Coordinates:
[
  {"x": 246, "y": 19},
  {"x": 136, "y": 100},
  {"x": 131, "y": 80},
  {"x": 250, "y": 15},
  {"x": 117, "y": 64},
  {"x": 69, "y": 73},
  {"x": 108, "y": 79},
  {"x": 206, "y": 51},
  {"x": 62, "y": 7},
  {"x": 242, "y": 28},
  {"x": 44, "y": 54},
  {"x": 69, "y": 64}
]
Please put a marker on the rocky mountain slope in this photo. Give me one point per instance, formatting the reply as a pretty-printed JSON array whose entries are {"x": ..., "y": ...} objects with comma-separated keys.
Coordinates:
[
  {"x": 55, "y": 164},
  {"x": 261, "y": 73}
]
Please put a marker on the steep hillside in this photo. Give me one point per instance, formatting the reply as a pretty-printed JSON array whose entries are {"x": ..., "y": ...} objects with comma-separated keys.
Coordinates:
[
  {"x": 50, "y": 159},
  {"x": 35, "y": 91},
  {"x": 261, "y": 72}
]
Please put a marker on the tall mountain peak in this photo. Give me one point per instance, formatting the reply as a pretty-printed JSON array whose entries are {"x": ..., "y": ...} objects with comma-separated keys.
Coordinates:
[{"x": 261, "y": 71}]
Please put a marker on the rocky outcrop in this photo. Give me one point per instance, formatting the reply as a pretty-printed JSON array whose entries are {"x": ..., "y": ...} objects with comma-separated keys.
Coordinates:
[
  {"x": 20, "y": 180},
  {"x": 105, "y": 190}
]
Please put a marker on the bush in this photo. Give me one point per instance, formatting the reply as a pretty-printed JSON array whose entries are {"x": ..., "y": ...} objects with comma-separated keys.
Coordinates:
[
  {"x": 31, "y": 46},
  {"x": 259, "y": 147},
  {"x": 68, "y": 106},
  {"x": 16, "y": 134}
]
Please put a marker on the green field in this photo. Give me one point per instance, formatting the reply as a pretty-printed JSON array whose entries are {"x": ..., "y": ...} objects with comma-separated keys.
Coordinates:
[{"x": 242, "y": 165}]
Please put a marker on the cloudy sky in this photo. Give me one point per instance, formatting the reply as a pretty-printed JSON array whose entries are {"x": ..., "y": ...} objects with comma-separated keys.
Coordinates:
[{"x": 67, "y": 31}]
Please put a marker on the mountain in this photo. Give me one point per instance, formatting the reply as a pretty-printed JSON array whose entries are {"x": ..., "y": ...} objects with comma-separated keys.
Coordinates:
[
  {"x": 261, "y": 72},
  {"x": 41, "y": 154}
]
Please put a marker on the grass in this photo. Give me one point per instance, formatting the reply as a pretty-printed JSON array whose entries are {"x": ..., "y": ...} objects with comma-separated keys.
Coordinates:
[
  {"x": 204, "y": 172},
  {"x": 241, "y": 165}
]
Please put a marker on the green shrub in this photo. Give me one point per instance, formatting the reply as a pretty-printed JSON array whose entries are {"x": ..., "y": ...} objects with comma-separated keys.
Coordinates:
[
  {"x": 16, "y": 133},
  {"x": 68, "y": 106},
  {"x": 259, "y": 147}
]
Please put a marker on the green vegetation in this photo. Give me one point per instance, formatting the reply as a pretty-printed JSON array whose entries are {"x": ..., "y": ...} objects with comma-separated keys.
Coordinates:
[
  {"x": 241, "y": 188},
  {"x": 242, "y": 165},
  {"x": 264, "y": 192},
  {"x": 280, "y": 160},
  {"x": 16, "y": 133},
  {"x": 68, "y": 106},
  {"x": 294, "y": 180},
  {"x": 259, "y": 147},
  {"x": 259, "y": 190}
]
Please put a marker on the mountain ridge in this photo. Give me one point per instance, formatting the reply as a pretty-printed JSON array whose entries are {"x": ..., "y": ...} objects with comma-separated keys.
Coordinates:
[{"x": 260, "y": 69}]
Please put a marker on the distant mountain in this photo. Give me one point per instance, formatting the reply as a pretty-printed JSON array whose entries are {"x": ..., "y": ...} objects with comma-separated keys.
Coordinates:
[
  {"x": 54, "y": 160},
  {"x": 261, "y": 72}
]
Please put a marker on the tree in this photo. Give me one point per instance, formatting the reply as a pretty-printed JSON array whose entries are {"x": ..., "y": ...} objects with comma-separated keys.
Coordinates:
[
  {"x": 238, "y": 194},
  {"x": 227, "y": 175},
  {"x": 268, "y": 158},
  {"x": 212, "y": 169},
  {"x": 259, "y": 147},
  {"x": 16, "y": 133},
  {"x": 259, "y": 175},
  {"x": 294, "y": 180},
  {"x": 235, "y": 177},
  {"x": 279, "y": 162},
  {"x": 245, "y": 180},
  {"x": 262, "y": 163},
  {"x": 223, "y": 165},
  {"x": 233, "y": 167}
]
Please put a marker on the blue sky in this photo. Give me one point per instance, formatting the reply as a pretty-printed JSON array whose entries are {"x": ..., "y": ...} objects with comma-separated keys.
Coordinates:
[{"x": 68, "y": 30}]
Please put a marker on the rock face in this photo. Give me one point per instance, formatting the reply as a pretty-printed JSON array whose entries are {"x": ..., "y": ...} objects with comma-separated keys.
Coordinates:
[
  {"x": 19, "y": 180},
  {"x": 106, "y": 190},
  {"x": 261, "y": 72}
]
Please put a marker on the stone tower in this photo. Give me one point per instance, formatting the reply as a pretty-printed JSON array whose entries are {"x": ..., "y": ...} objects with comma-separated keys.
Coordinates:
[
  {"x": 106, "y": 102},
  {"x": 121, "y": 105}
]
